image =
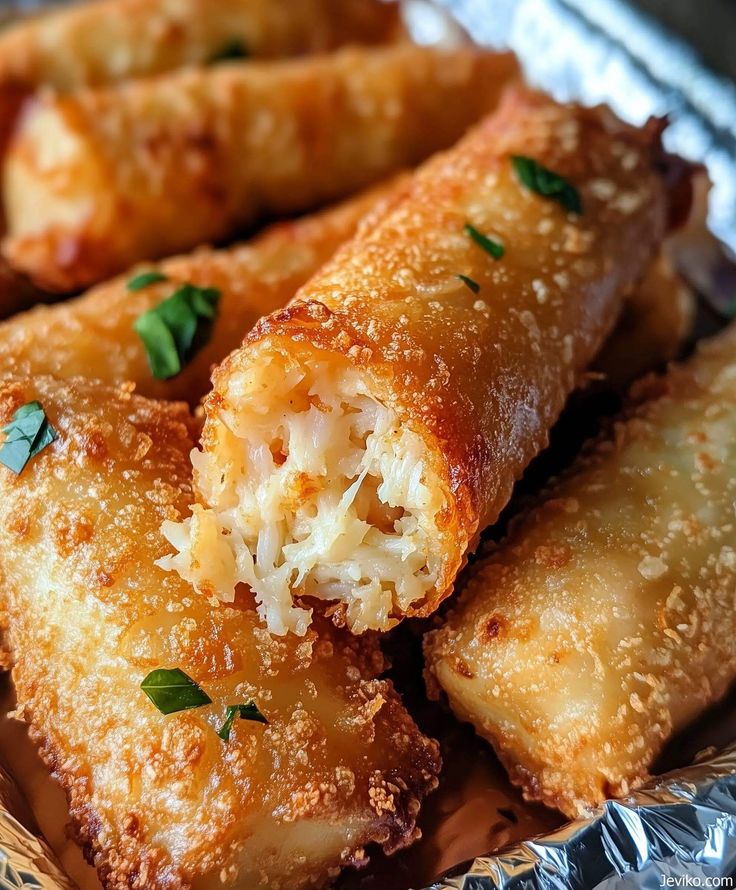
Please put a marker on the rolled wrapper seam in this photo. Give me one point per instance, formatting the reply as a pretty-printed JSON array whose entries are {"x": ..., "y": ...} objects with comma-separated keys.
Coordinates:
[{"x": 681, "y": 827}]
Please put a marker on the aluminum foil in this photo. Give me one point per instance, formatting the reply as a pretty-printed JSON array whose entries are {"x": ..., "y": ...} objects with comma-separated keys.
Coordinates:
[
  {"x": 679, "y": 831},
  {"x": 606, "y": 51},
  {"x": 26, "y": 863}
]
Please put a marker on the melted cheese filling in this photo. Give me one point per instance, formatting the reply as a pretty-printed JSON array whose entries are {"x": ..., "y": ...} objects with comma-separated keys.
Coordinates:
[{"x": 311, "y": 487}]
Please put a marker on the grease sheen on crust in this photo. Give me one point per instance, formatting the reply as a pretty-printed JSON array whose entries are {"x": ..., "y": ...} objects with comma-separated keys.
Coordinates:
[
  {"x": 161, "y": 802},
  {"x": 605, "y": 622},
  {"x": 481, "y": 377}
]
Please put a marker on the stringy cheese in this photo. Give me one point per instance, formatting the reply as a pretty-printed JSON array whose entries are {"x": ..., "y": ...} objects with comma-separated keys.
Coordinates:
[{"x": 312, "y": 488}]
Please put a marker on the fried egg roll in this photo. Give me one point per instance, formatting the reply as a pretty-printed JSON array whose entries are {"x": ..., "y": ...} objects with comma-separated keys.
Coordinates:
[
  {"x": 93, "y": 44},
  {"x": 360, "y": 440},
  {"x": 94, "y": 336},
  {"x": 655, "y": 323},
  {"x": 605, "y": 622},
  {"x": 164, "y": 801},
  {"x": 101, "y": 179}
]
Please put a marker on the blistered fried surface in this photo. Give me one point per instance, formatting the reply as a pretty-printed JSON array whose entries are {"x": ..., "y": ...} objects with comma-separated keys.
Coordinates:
[
  {"x": 606, "y": 621},
  {"x": 101, "y": 179},
  {"x": 162, "y": 801},
  {"x": 90, "y": 44},
  {"x": 482, "y": 376},
  {"x": 93, "y": 336}
]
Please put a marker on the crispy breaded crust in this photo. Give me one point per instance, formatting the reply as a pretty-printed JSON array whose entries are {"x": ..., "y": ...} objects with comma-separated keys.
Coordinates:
[
  {"x": 93, "y": 336},
  {"x": 605, "y": 622},
  {"x": 481, "y": 376},
  {"x": 161, "y": 802},
  {"x": 92, "y": 44},
  {"x": 195, "y": 156}
]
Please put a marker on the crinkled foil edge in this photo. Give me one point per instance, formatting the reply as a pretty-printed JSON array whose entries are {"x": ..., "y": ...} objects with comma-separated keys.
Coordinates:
[{"x": 679, "y": 831}]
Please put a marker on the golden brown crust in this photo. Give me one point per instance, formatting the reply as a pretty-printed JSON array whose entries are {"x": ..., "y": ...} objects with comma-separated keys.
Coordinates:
[
  {"x": 195, "y": 156},
  {"x": 482, "y": 377},
  {"x": 161, "y": 802},
  {"x": 92, "y": 44},
  {"x": 613, "y": 600},
  {"x": 93, "y": 336}
]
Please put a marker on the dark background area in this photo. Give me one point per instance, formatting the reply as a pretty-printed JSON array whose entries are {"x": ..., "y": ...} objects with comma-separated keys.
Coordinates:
[{"x": 709, "y": 25}]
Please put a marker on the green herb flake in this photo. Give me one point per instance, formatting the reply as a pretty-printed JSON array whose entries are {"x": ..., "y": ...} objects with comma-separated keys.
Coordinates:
[
  {"x": 171, "y": 690},
  {"x": 27, "y": 434},
  {"x": 145, "y": 279},
  {"x": 473, "y": 285},
  {"x": 490, "y": 246},
  {"x": 230, "y": 52},
  {"x": 175, "y": 330},
  {"x": 547, "y": 183},
  {"x": 247, "y": 711}
]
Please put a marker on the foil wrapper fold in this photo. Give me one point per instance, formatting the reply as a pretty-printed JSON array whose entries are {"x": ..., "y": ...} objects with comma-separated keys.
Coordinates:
[{"x": 678, "y": 831}]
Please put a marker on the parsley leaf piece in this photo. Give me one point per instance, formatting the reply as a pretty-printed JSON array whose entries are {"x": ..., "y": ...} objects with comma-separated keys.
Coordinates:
[
  {"x": 490, "y": 246},
  {"x": 231, "y": 51},
  {"x": 175, "y": 330},
  {"x": 171, "y": 690},
  {"x": 145, "y": 279},
  {"x": 547, "y": 183},
  {"x": 247, "y": 711},
  {"x": 473, "y": 285},
  {"x": 27, "y": 434}
]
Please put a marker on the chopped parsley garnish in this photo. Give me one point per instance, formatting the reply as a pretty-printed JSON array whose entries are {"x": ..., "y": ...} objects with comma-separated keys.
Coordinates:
[
  {"x": 175, "y": 330},
  {"x": 145, "y": 279},
  {"x": 28, "y": 433},
  {"x": 547, "y": 183},
  {"x": 247, "y": 711},
  {"x": 473, "y": 285},
  {"x": 171, "y": 690},
  {"x": 490, "y": 246},
  {"x": 229, "y": 52}
]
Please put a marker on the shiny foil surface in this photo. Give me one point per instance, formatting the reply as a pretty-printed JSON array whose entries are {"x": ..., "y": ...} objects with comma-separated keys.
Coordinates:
[
  {"x": 25, "y": 860},
  {"x": 679, "y": 831}
]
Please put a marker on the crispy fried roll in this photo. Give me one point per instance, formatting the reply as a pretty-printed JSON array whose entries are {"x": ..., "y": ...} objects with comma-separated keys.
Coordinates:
[
  {"x": 163, "y": 801},
  {"x": 655, "y": 322},
  {"x": 606, "y": 621},
  {"x": 97, "y": 181},
  {"x": 92, "y": 44},
  {"x": 94, "y": 336},
  {"x": 360, "y": 440}
]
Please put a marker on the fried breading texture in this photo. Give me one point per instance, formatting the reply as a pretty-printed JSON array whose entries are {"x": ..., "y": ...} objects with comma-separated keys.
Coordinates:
[
  {"x": 99, "y": 180},
  {"x": 92, "y": 44},
  {"x": 606, "y": 621},
  {"x": 93, "y": 336},
  {"x": 477, "y": 375},
  {"x": 162, "y": 802}
]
